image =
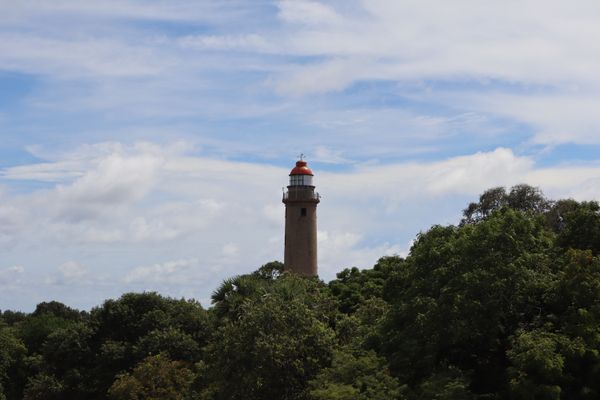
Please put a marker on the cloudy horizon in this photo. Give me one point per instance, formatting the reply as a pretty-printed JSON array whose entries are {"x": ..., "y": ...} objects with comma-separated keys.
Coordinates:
[{"x": 145, "y": 144}]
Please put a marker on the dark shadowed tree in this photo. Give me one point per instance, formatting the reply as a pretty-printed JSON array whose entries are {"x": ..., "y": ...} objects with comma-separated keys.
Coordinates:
[
  {"x": 579, "y": 225},
  {"x": 526, "y": 198},
  {"x": 523, "y": 198},
  {"x": 73, "y": 355},
  {"x": 12, "y": 353},
  {"x": 43, "y": 387},
  {"x": 491, "y": 200},
  {"x": 69, "y": 360},
  {"x": 58, "y": 310}
]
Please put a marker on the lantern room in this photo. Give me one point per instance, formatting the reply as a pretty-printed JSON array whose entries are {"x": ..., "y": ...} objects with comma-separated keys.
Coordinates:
[{"x": 301, "y": 175}]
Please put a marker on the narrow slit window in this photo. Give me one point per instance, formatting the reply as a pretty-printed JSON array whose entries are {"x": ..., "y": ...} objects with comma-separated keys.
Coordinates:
[{"x": 303, "y": 212}]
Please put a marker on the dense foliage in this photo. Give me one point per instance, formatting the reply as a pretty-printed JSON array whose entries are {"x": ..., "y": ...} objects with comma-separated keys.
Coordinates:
[{"x": 506, "y": 305}]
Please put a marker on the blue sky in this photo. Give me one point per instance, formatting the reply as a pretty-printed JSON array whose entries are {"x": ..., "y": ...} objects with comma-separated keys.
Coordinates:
[{"x": 144, "y": 144}]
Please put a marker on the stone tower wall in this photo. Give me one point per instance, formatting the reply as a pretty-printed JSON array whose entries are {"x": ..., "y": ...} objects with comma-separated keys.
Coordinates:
[{"x": 301, "y": 234}]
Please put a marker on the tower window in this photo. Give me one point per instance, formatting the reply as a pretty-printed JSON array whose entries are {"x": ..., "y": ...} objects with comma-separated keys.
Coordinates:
[{"x": 303, "y": 212}]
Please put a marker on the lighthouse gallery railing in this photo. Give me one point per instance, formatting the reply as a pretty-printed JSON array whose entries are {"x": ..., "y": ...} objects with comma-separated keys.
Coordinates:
[{"x": 301, "y": 195}]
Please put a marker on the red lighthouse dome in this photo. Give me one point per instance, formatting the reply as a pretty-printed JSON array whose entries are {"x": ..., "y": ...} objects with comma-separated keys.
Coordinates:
[
  {"x": 301, "y": 175},
  {"x": 301, "y": 168}
]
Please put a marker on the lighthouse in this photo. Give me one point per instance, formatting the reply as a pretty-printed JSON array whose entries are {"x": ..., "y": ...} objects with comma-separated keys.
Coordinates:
[{"x": 301, "y": 201}]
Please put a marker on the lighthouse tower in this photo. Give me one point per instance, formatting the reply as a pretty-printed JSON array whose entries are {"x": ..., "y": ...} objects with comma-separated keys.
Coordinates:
[{"x": 301, "y": 201}]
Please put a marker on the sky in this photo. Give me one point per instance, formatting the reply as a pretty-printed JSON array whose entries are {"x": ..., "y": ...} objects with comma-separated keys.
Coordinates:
[{"x": 144, "y": 145}]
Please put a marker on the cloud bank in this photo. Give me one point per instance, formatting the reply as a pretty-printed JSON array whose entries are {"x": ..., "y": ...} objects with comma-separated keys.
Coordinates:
[{"x": 148, "y": 217}]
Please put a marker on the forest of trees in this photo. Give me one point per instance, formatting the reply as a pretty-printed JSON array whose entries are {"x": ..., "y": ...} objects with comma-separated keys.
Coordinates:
[{"x": 505, "y": 305}]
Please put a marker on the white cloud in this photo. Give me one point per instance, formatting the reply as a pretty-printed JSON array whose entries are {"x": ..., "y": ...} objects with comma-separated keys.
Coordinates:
[
  {"x": 83, "y": 58},
  {"x": 72, "y": 270},
  {"x": 115, "y": 179},
  {"x": 45, "y": 172},
  {"x": 230, "y": 250},
  {"x": 338, "y": 250},
  {"x": 576, "y": 181},
  {"x": 563, "y": 117},
  {"x": 536, "y": 49},
  {"x": 174, "y": 10},
  {"x": 310, "y": 47},
  {"x": 406, "y": 40},
  {"x": 468, "y": 174},
  {"x": 170, "y": 271},
  {"x": 69, "y": 273},
  {"x": 324, "y": 77},
  {"x": 101, "y": 43},
  {"x": 11, "y": 275},
  {"x": 93, "y": 185},
  {"x": 307, "y": 13},
  {"x": 326, "y": 155},
  {"x": 272, "y": 213},
  {"x": 337, "y": 241},
  {"x": 12, "y": 220},
  {"x": 471, "y": 174},
  {"x": 250, "y": 42}
]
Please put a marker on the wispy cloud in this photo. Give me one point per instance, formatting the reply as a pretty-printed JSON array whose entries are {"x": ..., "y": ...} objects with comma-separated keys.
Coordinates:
[
  {"x": 69, "y": 273},
  {"x": 11, "y": 275},
  {"x": 164, "y": 272},
  {"x": 175, "y": 10}
]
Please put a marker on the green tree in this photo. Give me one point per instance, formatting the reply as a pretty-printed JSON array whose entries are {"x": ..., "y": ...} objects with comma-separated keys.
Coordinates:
[
  {"x": 464, "y": 291},
  {"x": 68, "y": 357},
  {"x": 35, "y": 329},
  {"x": 155, "y": 378},
  {"x": 170, "y": 341},
  {"x": 228, "y": 298},
  {"x": 539, "y": 364},
  {"x": 354, "y": 287},
  {"x": 12, "y": 317},
  {"x": 448, "y": 383},
  {"x": 136, "y": 325},
  {"x": 573, "y": 317},
  {"x": 12, "y": 353},
  {"x": 359, "y": 376},
  {"x": 278, "y": 342},
  {"x": 270, "y": 271},
  {"x": 523, "y": 198},
  {"x": 231, "y": 295},
  {"x": 579, "y": 226},
  {"x": 43, "y": 387},
  {"x": 58, "y": 310},
  {"x": 528, "y": 199},
  {"x": 490, "y": 201}
]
